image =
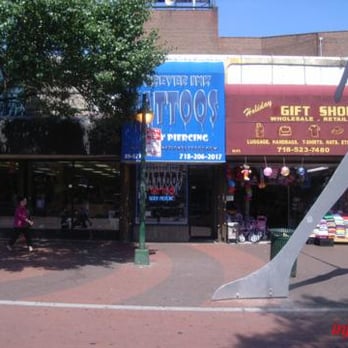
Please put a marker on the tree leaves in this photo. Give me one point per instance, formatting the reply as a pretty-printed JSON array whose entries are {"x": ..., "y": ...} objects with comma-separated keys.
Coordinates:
[{"x": 96, "y": 47}]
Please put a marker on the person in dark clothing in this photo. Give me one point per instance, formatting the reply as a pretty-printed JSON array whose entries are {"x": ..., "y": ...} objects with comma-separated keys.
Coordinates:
[{"x": 82, "y": 218}]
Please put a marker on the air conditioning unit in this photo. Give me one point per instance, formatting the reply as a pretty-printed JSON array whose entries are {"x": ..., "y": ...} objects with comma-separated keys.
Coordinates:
[{"x": 170, "y": 2}]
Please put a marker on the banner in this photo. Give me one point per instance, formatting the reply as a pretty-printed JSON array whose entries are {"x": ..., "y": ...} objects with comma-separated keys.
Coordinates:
[
  {"x": 189, "y": 110},
  {"x": 285, "y": 120}
]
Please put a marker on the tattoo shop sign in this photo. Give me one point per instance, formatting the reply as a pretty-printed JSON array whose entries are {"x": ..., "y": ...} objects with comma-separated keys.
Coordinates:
[{"x": 188, "y": 102}]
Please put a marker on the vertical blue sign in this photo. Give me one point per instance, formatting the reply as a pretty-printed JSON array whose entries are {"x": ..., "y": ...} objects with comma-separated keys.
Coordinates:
[{"x": 188, "y": 102}]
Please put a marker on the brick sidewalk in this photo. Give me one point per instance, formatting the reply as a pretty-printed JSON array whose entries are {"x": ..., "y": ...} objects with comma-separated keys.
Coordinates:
[
  {"x": 180, "y": 274},
  {"x": 166, "y": 304}
]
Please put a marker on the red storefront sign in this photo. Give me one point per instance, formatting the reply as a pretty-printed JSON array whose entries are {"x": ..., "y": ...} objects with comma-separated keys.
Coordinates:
[{"x": 285, "y": 120}]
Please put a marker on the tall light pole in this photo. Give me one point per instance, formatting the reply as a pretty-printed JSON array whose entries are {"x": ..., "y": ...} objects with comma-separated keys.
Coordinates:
[{"x": 144, "y": 116}]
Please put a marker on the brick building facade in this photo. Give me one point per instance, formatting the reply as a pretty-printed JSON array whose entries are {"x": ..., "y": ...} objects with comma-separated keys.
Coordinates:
[{"x": 195, "y": 31}]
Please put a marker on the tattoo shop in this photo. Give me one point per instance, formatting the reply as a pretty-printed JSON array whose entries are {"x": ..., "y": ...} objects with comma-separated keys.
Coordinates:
[{"x": 185, "y": 151}]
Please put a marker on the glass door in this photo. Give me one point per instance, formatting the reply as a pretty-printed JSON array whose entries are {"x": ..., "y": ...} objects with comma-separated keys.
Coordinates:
[{"x": 201, "y": 210}]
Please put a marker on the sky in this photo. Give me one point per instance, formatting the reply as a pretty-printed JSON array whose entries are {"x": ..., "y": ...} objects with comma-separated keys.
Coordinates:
[{"x": 256, "y": 18}]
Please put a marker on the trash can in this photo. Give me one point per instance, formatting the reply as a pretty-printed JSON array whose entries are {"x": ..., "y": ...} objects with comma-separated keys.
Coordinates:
[{"x": 279, "y": 237}]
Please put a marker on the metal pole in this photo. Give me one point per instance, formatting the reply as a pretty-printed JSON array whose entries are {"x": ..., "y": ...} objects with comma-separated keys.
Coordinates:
[
  {"x": 340, "y": 88},
  {"x": 142, "y": 253}
]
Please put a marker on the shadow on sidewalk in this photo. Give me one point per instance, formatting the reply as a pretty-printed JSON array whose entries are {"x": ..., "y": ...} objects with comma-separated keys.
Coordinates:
[
  {"x": 321, "y": 278},
  {"x": 62, "y": 255},
  {"x": 304, "y": 328}
]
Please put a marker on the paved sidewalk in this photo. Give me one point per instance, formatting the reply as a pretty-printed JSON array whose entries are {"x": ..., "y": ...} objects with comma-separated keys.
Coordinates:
[
  {"x": 63, "y": 281},
  {"x": 180, "y": 274}
]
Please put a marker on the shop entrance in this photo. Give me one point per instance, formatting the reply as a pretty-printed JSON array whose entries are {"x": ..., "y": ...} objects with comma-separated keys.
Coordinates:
[{"x": 200, "y": 202}]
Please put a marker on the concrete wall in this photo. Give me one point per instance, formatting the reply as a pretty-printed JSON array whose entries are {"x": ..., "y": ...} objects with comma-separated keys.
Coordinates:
[{"x": 284, "y": 70}]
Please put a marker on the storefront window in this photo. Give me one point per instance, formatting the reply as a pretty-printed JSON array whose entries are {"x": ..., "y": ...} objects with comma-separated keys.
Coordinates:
[
  {"x": 166, "y": 194},
  {"x": 57, "y": 188},
  {"x": 9, "y": 172},
  {"x": 283, "y": 196}
]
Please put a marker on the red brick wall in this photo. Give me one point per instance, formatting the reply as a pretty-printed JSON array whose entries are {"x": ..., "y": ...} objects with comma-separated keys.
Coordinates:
[
  {"x": 292, "y": 45},
  {"x": 235, "y": 45},
  {"x": 192, "y": 31},
  {"x": 187, "y": 31},
  {"x": 335, "y": 44}
]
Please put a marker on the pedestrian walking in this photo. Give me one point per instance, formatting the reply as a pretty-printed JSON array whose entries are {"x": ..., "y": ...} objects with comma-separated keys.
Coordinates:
[{"x": 21, "y": 224}]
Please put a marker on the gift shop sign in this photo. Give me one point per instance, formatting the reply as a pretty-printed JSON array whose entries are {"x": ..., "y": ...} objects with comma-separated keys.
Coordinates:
[
  {"x": 285, "y": 120},
  {"x": 188, "y": 101}
]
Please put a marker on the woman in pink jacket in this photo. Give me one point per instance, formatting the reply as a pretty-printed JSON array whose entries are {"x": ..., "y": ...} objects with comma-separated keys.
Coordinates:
[{"x": 22, "y": 222}]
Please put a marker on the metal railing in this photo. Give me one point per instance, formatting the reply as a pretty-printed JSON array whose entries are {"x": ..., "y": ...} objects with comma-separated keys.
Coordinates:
[{"x": 183, "y": 4}]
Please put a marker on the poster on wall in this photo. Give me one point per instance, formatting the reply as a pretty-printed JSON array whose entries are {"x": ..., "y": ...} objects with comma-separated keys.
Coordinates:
[
  {"x": 188, "y": 101},
  {"x": 285, "y": 120},
  {"x": 166, "y": 193}
]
